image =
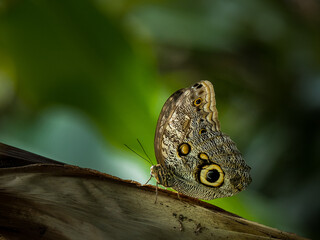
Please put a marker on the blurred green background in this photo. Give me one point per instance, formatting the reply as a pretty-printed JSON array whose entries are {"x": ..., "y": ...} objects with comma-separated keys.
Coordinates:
[{"x": 79, "y": 79}]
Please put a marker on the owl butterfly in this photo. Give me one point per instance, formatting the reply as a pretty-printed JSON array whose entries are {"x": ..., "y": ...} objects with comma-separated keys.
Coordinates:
[{"x": 194, "y": 157}]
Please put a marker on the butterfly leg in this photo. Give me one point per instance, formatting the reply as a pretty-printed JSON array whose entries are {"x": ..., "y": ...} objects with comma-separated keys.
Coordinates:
[
  {"x": 156, "y": 193},
  {"x": 178, "y": 196},
  {"x": 148, "y": 180}
]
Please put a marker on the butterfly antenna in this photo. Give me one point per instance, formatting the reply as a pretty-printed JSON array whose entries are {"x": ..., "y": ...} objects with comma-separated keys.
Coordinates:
[
  {"x": 148, "y": 160},
  {"x": 145, "y": 152}
]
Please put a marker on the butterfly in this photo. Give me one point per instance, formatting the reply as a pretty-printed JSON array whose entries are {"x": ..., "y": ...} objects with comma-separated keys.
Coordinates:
[{"x": 194, "y": 157}]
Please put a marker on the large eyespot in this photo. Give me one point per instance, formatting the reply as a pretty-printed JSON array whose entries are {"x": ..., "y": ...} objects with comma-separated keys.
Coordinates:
[
  {"x": 202, "y": 131},
  {"x": 184, "y": 149},
  {"x": 197, "y": 102},
  {"x": 212, "y": 175}
]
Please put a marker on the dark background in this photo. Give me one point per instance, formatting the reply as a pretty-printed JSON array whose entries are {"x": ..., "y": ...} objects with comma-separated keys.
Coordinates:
[{"x": 78, "y": 79}]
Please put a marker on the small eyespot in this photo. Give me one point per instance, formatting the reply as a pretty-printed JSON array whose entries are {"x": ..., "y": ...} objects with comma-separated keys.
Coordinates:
[
  {"x": 202, "y": 131},
  {"x": 197, "y": 102},
  {"x": 212, "y": 175},
  {"x": 184, "y": 149},
  {"x": 203, "y": 156}
]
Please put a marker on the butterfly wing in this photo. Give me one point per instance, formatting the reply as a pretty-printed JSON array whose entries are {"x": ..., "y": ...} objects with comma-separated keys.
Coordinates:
[
  {"x": 195, "y": 158},
  {"x": 176, "y": 114}
]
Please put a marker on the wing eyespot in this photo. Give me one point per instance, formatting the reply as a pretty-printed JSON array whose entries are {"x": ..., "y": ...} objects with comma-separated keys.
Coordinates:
[
  {"x": 212, "y": 175},
  {"x": 197, "y": 102},
  {"x": 203, "y": 156},
  {"x": 202, "y": 131},
  {"x": 184, "y": 149}
]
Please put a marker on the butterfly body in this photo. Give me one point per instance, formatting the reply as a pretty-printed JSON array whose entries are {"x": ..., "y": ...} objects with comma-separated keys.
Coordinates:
[{"x": 194, "y": 157}]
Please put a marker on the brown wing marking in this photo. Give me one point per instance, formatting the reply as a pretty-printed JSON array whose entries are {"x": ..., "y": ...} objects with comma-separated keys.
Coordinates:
[
  {"x": 167, "y": 110},
  {"x": 210, "y": 106}
]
